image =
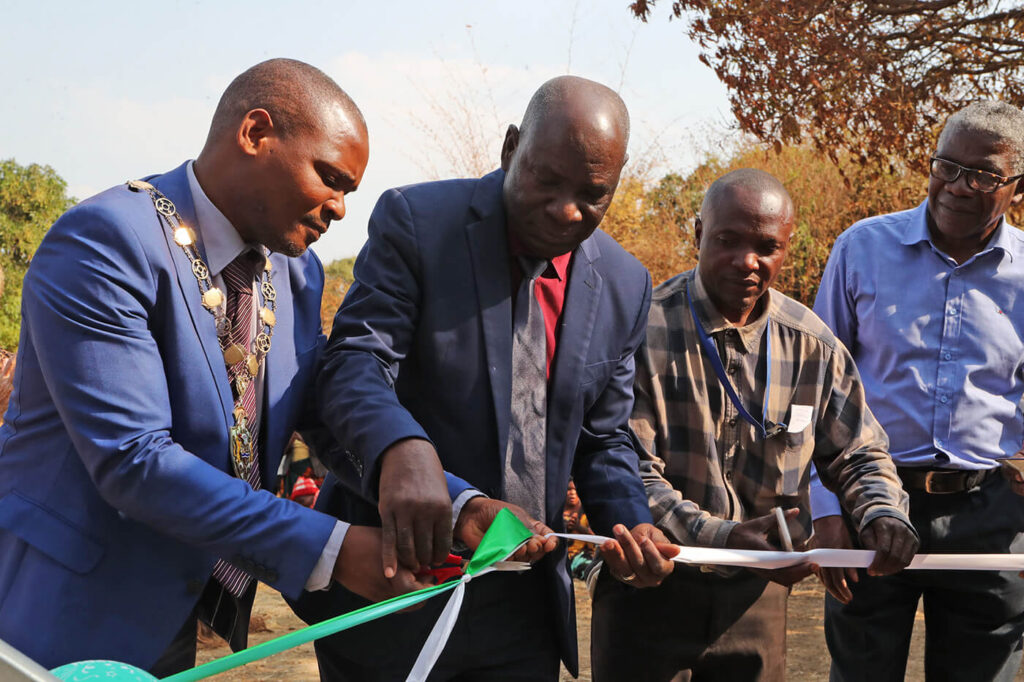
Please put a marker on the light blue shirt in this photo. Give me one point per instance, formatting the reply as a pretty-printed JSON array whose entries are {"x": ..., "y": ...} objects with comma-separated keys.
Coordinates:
[{"x": 940, "y": 346}]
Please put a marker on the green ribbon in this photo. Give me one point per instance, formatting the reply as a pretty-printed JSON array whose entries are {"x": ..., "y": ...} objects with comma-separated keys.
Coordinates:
[{"x": 504, "y": 536}]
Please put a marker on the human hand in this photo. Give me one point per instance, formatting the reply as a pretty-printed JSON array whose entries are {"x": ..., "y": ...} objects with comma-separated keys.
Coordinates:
[
  {"x": 1013, "y": 471},
  {"x": 830, "y": 532},
  {"x": 358, "y": 567},
  {"x": 415, "y": 510},
  {"x": 639, "y": 557},
  {"x": 894, "y": 543},
  {"x": 479, "y": 512},
  {"x": 762, "y": 534}
]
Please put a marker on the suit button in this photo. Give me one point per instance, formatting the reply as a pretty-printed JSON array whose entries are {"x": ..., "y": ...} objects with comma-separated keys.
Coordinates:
[{"x": 194, "y": 586}]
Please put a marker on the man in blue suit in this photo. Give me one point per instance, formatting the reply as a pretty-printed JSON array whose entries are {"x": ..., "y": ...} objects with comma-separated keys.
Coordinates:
[
  {"x": 435, "y": 394},
  {"x": 121, "y": 518}
]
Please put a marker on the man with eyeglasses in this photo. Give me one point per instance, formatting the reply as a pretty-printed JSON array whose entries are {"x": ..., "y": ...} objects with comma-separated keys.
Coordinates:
[{"x": 929, "y": 303}]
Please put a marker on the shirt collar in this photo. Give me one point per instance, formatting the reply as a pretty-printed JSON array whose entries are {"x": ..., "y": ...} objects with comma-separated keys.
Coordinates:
[
  {"x": 917, "y": 232},
  {"x": 713, "y": 321},
  {"x": 220, "y": 239}
]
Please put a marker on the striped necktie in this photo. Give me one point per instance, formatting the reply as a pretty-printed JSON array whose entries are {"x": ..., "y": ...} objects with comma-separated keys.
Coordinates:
[{"x": 238, "y": 279}]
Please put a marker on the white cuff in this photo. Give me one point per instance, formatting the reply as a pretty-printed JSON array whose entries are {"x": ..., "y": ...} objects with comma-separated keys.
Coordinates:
[{"x": 320, "y": 578}]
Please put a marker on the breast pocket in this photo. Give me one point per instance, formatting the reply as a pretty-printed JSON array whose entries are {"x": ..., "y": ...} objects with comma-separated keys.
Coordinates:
[
  {"x": 598, "y": 372},
  {"x": 787, "y": 459}
]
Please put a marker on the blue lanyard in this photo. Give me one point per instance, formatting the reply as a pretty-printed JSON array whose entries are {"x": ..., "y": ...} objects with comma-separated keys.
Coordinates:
[{"x": 765, "y": 428}]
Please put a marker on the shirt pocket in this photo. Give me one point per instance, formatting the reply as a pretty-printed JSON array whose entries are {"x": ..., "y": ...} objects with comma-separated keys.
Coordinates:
[{"x": 787, "y": 458}]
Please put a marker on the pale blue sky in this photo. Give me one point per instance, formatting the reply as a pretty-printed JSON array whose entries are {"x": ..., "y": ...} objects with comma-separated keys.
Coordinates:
[{"x": 107, "y": 91}]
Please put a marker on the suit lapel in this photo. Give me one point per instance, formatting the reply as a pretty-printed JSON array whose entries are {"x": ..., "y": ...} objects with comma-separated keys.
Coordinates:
[
  {"x": 280, "y": 365},
  {"x": 488, "y": 250},
  {"x": 174, "y": 186},
  {"x": 578, "y": 316}
]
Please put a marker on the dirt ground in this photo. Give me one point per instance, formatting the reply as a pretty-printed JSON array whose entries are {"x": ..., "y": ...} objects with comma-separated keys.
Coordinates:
[{"x": 806, "y": 657}]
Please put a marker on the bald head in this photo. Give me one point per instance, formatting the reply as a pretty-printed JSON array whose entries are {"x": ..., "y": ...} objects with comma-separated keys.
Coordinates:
[
  {"x": 742, "y": 234},
  {"x": 748, "y": 181},
  {"x": 580, "y": 100},
  {"x": 295, "y": 94},
  {"x": 563, "y": 164}
]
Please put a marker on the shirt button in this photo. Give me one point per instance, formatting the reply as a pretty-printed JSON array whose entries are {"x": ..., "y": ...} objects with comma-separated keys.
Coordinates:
[
  {"x": 728, "y": 475},
  {"x": 952, "y": 311},
  {"x": 732, "y": 368},
  {"x": 732, "y": 421},
  {"x": 947, "y": 356},
  {"x": 944, "y": 399}
]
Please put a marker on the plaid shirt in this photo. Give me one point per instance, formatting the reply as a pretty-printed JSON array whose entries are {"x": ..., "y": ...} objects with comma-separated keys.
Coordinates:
[{"x": 705, "y": 467}]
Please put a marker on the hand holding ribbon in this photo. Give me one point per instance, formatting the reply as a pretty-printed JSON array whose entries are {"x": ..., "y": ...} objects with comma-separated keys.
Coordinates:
[{"x": 640, "y": 557}]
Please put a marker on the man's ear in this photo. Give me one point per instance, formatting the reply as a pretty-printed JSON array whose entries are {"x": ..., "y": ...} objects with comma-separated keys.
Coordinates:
[
  {"x": 1019, "y": 196},
  {"x": 256, "y": 128},
  {"x": 509, "y": 146},
  {"x": 698, "y": 230}
]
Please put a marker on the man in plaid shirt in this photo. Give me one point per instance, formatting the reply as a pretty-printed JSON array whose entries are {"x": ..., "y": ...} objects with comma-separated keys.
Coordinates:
[{"x": 715, "y": 465}]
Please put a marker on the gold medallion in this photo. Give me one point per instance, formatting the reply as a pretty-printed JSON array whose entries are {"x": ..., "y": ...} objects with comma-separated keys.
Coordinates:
[
  {"x": 140, "y": 185},
  {"x": 266, "y": 265},
  {"x": 213, "y": 298},
  {"x": 223, "y": 326},
  {"x": 268, "y": 317},
  {"x": 269, "y": 293},
  {"x": 165, "y": 206},
  {"x": 184, "y": 236},
  {"x": 252, "y": 364},
  {"x": 241, "y": 447},
  {"x": 241, "y": 383},
  {"x": 233, "y": 354},
  {"x": 199, "y": 269},
  {"x": 262, "y": 343}
]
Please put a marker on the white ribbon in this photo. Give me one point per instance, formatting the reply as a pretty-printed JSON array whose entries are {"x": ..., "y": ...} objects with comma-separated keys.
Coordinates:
[
  {"x": 438, "y": 638},
  {"x": 826, "y": 558}
]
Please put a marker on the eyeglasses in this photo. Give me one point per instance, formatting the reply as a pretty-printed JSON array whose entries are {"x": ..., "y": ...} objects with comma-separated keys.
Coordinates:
[{"x": 978, "y": 180}]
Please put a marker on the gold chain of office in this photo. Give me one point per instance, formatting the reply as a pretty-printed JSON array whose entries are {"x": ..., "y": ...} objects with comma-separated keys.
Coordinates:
[{"x": 215, "y": 302}]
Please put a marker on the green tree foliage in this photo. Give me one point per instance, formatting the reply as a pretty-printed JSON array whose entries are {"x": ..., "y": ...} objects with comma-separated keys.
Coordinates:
[
  {"x": 656, "y": 224},
  {"x": 31, "y": 198},
  {"x": 873, "y": 78}
]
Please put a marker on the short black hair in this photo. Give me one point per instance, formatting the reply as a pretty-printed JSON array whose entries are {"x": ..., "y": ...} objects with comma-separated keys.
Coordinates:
[
  {"x": 746, "y": 178},
  {"x": 291, "y": 91}
]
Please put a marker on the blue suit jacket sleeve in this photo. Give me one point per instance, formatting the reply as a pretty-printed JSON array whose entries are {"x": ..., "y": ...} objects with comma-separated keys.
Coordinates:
[
  {"x": 372, "y": 333},
  {"x": 606, "y": 467},
  {"x": 91, "y": 293}
]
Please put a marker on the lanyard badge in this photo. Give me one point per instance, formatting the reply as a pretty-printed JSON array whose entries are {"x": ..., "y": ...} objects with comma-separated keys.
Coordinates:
[{"x": 765, "y": 427}]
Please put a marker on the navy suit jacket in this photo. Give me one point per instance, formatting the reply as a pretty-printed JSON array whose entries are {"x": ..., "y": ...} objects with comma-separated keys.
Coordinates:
[
  {"x": 422, "y": 346},
  {"x": 115, "y": 492}
]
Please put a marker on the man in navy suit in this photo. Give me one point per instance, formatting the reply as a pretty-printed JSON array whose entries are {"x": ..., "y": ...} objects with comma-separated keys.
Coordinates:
[
  {"x": 117, "y": 488},
  {"x": 423, "y": 387}
]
